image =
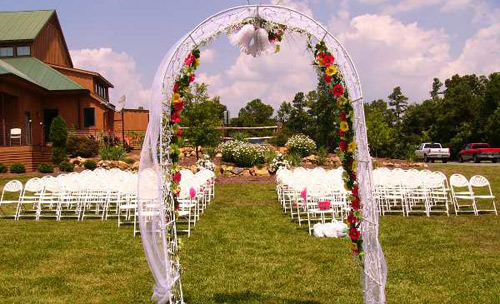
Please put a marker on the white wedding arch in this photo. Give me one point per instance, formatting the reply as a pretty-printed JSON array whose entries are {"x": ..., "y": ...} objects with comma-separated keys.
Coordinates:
[{"x": 156, "y": 206}]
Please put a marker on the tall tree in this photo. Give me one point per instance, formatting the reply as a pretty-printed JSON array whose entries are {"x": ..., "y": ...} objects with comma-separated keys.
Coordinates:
[
  {"x": 398, "y": 103},
  {"x": 436, "y": 88},
  {"x": 255, "y": 113}
]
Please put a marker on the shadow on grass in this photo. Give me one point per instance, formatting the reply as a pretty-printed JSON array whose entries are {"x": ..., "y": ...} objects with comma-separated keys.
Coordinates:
[{"x": 251, "y": 297}]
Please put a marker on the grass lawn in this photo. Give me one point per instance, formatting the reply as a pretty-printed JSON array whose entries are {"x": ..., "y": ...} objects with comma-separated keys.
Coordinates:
[{"x": 244, "y": 250}]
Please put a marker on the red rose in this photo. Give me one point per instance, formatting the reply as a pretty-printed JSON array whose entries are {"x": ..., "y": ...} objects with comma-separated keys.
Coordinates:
[
  {"x": 341, "y": 133},
  {"x": 351, "y": 218},
  {"x": 176, "y": 118},
  {"x": 177, "y": 86},
  {"x": 343, "y": 145},
  {"x": 328, "y": 79},
  {"x": 179, "y": 133},
  {"x": 355, "y": 191},
  {"x": 319, "y": 57},
  {"x": 356, "y": 204},
  {"x": 338, "y": 90},
  {"x": 192, "y": 77},
  {"x": 178, "y": 106},
  {"x": 176, "y": 177},
  {"x": 328, "y": 60},
  {"x": 354, "y": 234},
  {"x": 190, "y": 59},
  {"x": 342, "y": 116}
]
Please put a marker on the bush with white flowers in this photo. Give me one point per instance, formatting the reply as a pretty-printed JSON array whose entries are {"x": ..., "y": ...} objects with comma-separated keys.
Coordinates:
[
  {"x": 278, "y": 162},
  {"x": 205, "y": 163},
  {"x": 242, "y": 154},
  {"x": 300, "y": 145}
]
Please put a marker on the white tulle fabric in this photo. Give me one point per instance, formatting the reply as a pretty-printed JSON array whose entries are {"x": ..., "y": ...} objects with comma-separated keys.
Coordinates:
[{"x": 155, "y": 201}]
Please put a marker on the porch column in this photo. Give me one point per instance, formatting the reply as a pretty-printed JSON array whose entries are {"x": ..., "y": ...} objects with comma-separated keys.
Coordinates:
[{"x": 3, "y": 120}]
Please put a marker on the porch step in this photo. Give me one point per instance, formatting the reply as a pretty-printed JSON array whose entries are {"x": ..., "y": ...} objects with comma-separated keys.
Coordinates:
[{"x": 30, "y": 156}]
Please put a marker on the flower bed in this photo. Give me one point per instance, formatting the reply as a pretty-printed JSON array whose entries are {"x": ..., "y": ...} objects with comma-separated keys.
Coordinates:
[
  {"x": 300, "y": 145},
  {"x": 242, "y": 154}
]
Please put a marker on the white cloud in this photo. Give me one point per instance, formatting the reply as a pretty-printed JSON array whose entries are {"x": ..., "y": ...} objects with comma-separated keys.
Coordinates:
[
  {"x": 120, "y": 69},
  {"x": 480, "y": 55},
  {"x": 273, "y": 78},
  {"x": 210, "y": 80},
  {"x": 302, "y": 6},
  {"x": 208, "y": 56}
]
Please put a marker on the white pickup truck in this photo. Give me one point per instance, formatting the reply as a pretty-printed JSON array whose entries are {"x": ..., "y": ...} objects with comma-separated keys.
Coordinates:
[{"x": 432, "y": 151}]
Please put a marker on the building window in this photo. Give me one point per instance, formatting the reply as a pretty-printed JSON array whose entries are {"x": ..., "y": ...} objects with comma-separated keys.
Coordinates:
[
  {"x": 88, "y": 117},
  {"x": 24, "y": 50},
  {"x": 100, "y": 90},
  {"x": 7, "y": 51}
]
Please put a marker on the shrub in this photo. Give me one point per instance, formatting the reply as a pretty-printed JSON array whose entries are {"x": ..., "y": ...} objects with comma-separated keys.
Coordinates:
[
  {"x": 90, "y": 164},
  {"x": 46, "y": 168},
  {"x": 17, "y": 168},
  {"x": 280, "y": 139},
  {"x": 278, "y": 162},
  {"x": 294, "y": 159},
  {"x": 3, "y": 168},
  {"x": 82, "y": 146},
  {"x": 112, "y": 152},
  {"x": 66, "y": 166},
  {"x": 322, "y": 157},
  {"x": 129, "y": 160},
  {"x": 205, "y": 163},
  {"x": 300, "y": 145},
  {"x": 243, "y": 154},
  {"x": 59, "y": 137}
]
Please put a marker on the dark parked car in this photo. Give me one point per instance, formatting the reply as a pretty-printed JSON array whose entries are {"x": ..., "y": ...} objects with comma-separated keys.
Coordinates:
[{"x": 478, "y": 152}]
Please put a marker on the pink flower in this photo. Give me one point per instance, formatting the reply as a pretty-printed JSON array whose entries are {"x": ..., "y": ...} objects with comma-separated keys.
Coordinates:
[
  {"x": 341, "y": 133},
  {"x": 354, "y": 234},
  {"x": 328, "y": 79},
  {"x": 192, "y": 192},
  {"x": 342, "y": 116},
  {"x": 192, "y": 77},
  {"x": 355, "y": 191},
  {"x": 343, "y": 145},
  {"x": 356, "y": 204},
  {"x": 190, "y": 59},
  {"x": 177, "y": 86},
  {"x": 328, "y": 60},
  {"x": 179, "y": 133},
  {"x": 178, "y": 106}
]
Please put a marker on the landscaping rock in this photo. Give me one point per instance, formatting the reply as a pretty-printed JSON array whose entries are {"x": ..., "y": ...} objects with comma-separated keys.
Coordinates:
[
  {"x": 262, "y": 172},
  {"x": 246, "y": 172},
  {"x": 193, "y": 168},
  {"x": 135, "y": 166},
  {"x": 122, "y": 165},
  {"x": 236, "y": 171}
]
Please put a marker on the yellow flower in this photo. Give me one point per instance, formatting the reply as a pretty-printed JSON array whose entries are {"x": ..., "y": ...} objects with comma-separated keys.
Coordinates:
[
  {"x": 344, "y": 126},
  {"x": 331, "y": 70},
  {"x": 351, "y": 147},
  {"x": 198, "y": 62},
  {"x": 175, "y": 97},
  {"x": 353, "y": 246},
  {"x": 354, "y": 165},
  {"x": 342, "y": 100}
]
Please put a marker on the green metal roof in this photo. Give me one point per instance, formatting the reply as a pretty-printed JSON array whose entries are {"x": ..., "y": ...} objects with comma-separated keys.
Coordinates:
[
  {"x": 37, "y": 72},
  {"x": 24, "y": 25}
]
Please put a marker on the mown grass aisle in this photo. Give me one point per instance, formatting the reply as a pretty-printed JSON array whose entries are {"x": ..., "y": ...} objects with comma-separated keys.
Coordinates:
[{"x": 246, "y": 251}]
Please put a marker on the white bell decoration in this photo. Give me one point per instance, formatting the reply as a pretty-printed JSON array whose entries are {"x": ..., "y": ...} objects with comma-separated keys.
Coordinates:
[
  {"x": 261, "y": 43},
  {"x": 248, "y": 34},
  {"x": 243, "y": 38}
]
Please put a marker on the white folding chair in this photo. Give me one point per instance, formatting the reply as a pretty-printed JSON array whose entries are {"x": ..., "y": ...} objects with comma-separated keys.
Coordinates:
[
  {"x": 465, "y": 194},
  {"x": 15, "y": 133},
  {"x": 13, "y": 186},
  {"x": 30, "y": 196},
  {"x": 477, "y": 184}
]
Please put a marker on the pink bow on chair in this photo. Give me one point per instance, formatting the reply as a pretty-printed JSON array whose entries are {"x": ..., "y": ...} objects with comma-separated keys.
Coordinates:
[
  {"x": 303, "y": 194},
  {"x": 192, "y": 192}
]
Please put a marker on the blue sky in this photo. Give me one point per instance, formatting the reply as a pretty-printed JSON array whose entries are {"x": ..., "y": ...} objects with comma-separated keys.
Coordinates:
[{"x": 393, "y": 43}]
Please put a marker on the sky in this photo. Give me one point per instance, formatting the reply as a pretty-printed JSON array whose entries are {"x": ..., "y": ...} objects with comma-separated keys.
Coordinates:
[{"x": 393, "y": 43}]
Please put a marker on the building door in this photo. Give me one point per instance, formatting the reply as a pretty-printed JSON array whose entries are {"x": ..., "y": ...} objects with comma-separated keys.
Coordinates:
[{"x": 48, "y": 116}]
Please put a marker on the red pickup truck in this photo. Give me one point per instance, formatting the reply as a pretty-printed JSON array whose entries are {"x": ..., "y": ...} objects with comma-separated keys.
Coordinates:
[{"x": 478, "y": 152}]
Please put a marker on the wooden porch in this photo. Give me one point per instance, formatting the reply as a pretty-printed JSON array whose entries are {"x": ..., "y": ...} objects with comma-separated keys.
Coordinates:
[{"x": 30, "y": 156}]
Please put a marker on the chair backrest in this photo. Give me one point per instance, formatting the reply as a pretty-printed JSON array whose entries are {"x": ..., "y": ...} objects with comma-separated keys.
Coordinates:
[
  {"x": 459, "y": 181},
  {"x": 479, "y": 181},
  {"x": 13, "y": 186},
  {"x": 15, "y": 131},
  {"x": 33, "y": 185}
]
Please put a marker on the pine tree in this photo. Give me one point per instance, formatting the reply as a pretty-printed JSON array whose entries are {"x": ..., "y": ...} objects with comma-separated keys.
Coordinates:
[
  {"x": 398, "y": 103},
  {"x": 59, "y": 137}
]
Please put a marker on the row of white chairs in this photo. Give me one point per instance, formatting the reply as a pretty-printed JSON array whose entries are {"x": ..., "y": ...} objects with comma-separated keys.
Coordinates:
[
  {"x": 312, "y": 195},
  {"x": 424, "y": 191},
  {"x": 196, "y": 193}
]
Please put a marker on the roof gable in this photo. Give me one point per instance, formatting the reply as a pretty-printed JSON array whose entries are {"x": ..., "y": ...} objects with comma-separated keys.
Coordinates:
[
  {"x": 24, "y": 25},
  {"x": 37, "y": 72}
]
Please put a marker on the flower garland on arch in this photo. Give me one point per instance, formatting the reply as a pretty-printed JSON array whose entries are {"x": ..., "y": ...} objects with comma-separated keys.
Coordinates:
[
  {"x": 181, "y": 88},
  {"x": 325, "y": 63}
]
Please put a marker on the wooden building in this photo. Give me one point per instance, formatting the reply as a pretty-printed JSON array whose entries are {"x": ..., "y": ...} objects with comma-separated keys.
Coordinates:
[{"x": 38, "y": 82}]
